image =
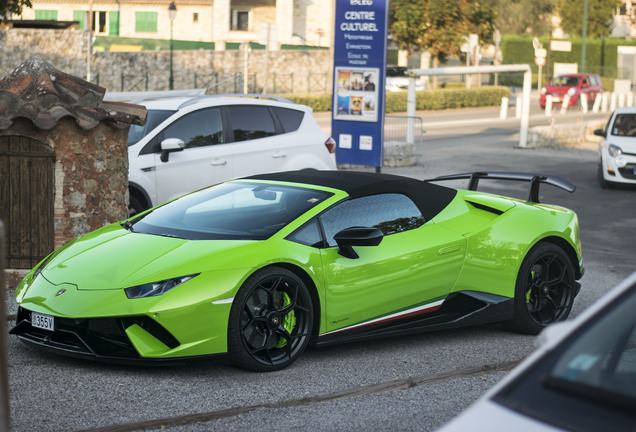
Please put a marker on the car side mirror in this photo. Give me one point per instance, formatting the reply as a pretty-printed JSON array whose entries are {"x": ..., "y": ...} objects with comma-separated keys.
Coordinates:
[
  {"x": 170, "y": 145},
  {"x": 600, "y": 132},
  {"x": 357, "y": 236}
]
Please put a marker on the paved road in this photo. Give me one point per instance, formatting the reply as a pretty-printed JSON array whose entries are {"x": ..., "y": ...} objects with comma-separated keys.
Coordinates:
[{"x": 413, "y": 383}]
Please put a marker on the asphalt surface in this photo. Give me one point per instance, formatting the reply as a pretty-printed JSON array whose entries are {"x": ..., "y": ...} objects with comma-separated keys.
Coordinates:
[{"x": 412, "y": 383}]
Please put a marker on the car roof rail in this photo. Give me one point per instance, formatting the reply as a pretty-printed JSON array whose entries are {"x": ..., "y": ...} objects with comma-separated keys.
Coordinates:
[
  {"x": 197, "y": 99},
  {"x": 534, "y": 179}
]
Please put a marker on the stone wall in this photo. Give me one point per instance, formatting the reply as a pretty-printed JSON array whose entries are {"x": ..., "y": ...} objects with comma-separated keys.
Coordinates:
[
  {"x": 565, "y": 135},
  {"x": 293, "y": 71}
]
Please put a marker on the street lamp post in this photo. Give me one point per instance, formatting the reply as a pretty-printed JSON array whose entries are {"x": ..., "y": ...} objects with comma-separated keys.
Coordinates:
[
  {"x": 172, "y": 14},
  {"x": 584, "y": 36}
]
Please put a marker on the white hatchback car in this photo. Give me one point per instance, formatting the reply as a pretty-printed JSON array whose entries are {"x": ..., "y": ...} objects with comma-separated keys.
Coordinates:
[
  {"x": 191, "y": 142},
  {"x": 617, "y": 148}
]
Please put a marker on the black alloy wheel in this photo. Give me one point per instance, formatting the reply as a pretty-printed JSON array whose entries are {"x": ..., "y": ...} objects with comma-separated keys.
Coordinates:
[
  {"x": 545, "y": 289},
  {"x": 271, "y": 321}
]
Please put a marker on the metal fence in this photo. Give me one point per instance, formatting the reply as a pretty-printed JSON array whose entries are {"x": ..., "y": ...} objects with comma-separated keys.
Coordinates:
[
  {"x": 402, "y": 136},
  {"x": 396, "y": 128},
  {"x": 218, "y": 82}
]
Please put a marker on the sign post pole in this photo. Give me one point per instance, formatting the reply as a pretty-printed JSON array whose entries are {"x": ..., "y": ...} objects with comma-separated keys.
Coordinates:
[{"x": 357, "y": 123}]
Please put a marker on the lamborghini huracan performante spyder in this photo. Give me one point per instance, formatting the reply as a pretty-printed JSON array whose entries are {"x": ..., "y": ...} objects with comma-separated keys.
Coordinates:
[{"x": 261, "y": 267}]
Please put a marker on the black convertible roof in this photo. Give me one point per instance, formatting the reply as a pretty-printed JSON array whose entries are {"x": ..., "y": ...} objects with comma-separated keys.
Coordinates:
[{"x": 430, "y": 198}]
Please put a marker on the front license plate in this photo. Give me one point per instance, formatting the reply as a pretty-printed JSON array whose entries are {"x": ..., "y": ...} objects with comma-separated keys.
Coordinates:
[{"x": 44, "y": 322}]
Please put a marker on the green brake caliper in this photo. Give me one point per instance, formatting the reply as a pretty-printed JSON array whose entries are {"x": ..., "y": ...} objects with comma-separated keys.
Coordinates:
[
  {"x": 529, "y": 292},
  {"x": 289, "y": 321}
]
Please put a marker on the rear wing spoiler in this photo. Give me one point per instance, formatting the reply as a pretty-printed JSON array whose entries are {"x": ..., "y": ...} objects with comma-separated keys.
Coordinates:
[{"x": 534, "y": 179}]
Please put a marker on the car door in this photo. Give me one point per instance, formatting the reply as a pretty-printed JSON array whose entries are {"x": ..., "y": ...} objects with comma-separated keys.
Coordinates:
[
  {"x": 415, "y": 265},
  {"x": 590, "y": 88},
  {"x": 596, "y": 88},
  {"x": 205, "y": 159},
  {"x": 255, "y": 144}
]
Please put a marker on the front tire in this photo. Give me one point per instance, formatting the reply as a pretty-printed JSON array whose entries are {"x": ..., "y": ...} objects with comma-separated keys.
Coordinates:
[
  {"x": 271, "y": 321},
  {"x": 545, "y": 289},
  {"x": 134, "y": 207}
]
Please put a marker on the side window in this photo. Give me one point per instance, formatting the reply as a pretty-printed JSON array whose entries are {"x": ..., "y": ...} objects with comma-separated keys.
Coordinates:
[
  {"x": 392, "y": 213},
  {"x": 289, "y": 118},
  {"x": 197, "y": 129},
  {"x": 153, "y": 119},
  {"x": 309, "y": 234},
  {"x": 251, "y": 122}
]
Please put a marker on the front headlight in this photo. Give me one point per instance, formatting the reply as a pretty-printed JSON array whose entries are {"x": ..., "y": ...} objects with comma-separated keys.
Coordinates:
[
  {"x": 614, "y": 150},
  {"x": 572, "y": 91},
  {"x": 156, "y": 288},
  {"x": 543, "y": 90}
]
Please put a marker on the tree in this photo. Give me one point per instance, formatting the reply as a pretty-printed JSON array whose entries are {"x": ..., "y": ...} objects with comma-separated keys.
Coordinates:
[
  {"x": 439, "y": 26},
  {"x": 406, "y": 19},
  {"x": 600, "y": 14},
  {"x": 444, "y": 31},
  {"x": 13, "y": 6},
  {"x": 523, "y": 16}
]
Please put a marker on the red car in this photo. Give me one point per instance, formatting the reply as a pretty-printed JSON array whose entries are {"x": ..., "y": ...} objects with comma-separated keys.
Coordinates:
[{"x": 573, "y": 85}]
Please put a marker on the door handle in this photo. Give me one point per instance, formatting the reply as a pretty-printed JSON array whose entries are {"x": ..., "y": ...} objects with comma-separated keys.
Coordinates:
[
  {"x": 218, "y": 162},
  {"x": 449, "y": 249},
  {"x": 279, "y": 154}
]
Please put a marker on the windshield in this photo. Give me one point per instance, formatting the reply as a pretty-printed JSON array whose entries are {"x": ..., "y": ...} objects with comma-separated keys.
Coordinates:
[
  {"x": 588, "y": 381},
  {"x": 602, "y": 361},
  {"x": 230, "y": 211},
  {"x": 153, "y": 119},
  {"x": 565, "y": 81},
  {"x": 624, "y": 125}
]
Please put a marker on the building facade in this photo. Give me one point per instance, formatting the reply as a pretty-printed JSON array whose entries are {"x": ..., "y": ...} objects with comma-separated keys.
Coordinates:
[
  {"x": 295, "y": 22},
  {"x": 624, "y": 21}
]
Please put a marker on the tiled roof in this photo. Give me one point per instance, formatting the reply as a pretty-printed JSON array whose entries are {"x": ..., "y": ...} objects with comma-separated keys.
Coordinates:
[{"x": 44, "y": 95}]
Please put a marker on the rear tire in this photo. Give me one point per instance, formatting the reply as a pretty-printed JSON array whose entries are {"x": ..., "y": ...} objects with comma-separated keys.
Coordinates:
[
  {"x": 545, "y": 289},
  {"x": 271, "y": 321}
]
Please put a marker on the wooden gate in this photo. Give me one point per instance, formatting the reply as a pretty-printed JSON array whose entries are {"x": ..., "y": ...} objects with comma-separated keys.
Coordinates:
[{"x": 26, "y": 199}]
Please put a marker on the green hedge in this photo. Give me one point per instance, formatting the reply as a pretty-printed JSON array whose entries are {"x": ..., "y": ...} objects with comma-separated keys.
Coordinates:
[
  {"x": 317, "y": 102},
  {"x": 601, "y": 56},
  {"x": 425, "y": 100}
]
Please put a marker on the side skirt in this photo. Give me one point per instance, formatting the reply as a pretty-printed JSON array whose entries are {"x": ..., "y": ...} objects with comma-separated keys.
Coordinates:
[{"x": 459, "y": 309}]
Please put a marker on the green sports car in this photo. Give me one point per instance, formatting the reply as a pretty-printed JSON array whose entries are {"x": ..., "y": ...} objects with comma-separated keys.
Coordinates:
[{"x": 261, "y": 267}]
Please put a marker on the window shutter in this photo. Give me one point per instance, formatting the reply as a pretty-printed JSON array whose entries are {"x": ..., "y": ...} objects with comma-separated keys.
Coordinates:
[
  {"x": 78, "y": 16},
  {"x": 46, "y": 14},
  {"x": 146, "y": 22},
  {"x": 113, "y": 23}
]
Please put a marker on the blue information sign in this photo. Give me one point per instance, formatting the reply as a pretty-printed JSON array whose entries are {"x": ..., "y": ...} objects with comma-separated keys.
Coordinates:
[{"x": 357, "y": 123}]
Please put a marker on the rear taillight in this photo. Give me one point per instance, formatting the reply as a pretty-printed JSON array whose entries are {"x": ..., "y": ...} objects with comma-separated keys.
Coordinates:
[{"x": 331, "y": 145}]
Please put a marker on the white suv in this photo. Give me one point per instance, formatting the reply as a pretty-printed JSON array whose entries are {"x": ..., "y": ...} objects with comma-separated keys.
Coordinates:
[{"x": 191, "y": 142}]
